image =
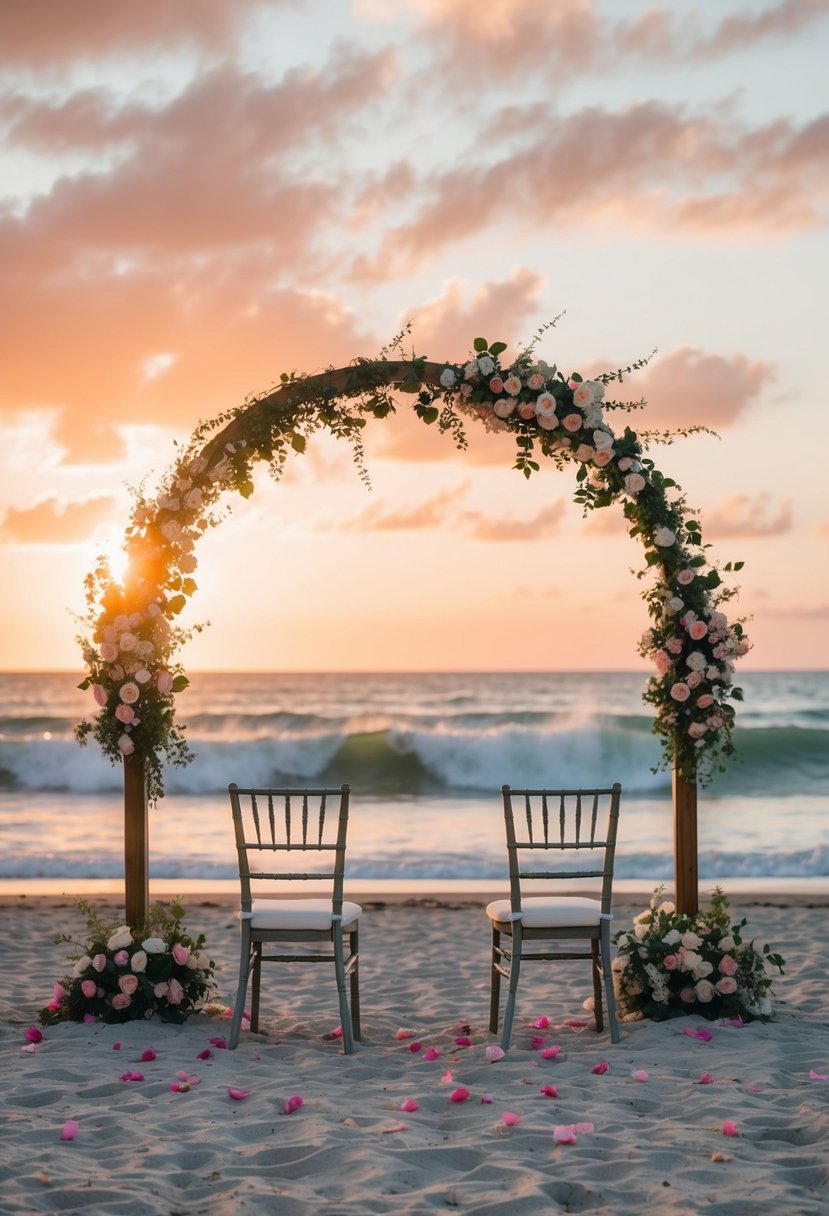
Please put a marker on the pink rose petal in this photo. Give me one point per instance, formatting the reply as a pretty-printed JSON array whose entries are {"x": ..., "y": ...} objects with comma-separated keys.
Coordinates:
[
  {"x": 132, "y": 1076},
  {"x": 564, "y": 1133},
  {"x": 541, "y": 1023},
  {"x": 410, "y": 1104},
  {"x": 639, "y": 1074},
  {"x": 737, "y": 1023},
  {"x": 549, "y": 1053},
  {"x": 549, "y": 1091},
  {"x": 818, "y": 1076},
  {"x": 293, "y": 1103},
  {"x": 459, "y": 1095},
  {"x": 601, "y": 1067},
  {"x": 30, "y": 1049},
  {"x": 238, "y": 1095},
  {"x": 583, "y": 1128},
  {"x": 576, "y": 1024},
  {"x": 463, "y": 1040},
  {"x": 70, "y": 1129},
  {"x": 207, "y": 1054},
  {"x": 336, "y": 1033},
  {"x": 89, "y": 1018},
  {"x": 447, "y": 1077},
  {"x": 404, "y": 1033},
  {"x": 729, "y": 1128},
  {"x": 33, "y": 1035},
  {"x": 116, "y": 1046},
  {"x": 398, "y": 1127},
  {"x": 494, "y": 1053},
  {"x": 510, "y": 1118},
  {"x": 755, "y": 1089},
  {"x": 704, "y": 1036},
  {"x": 149, "y": 1053},
  {"x": 219, "y": 1042},
  {"x": 415, "y": 1048},
  {"x": 537, "y": 1041},
  {"x": 431, "y": 1053},
  {"x": 485, "y": 1100},
  {"x": 705, "y": 1078}
]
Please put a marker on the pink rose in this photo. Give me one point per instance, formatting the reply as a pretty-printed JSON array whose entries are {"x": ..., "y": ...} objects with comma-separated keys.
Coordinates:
[
  {"x": 714, "y": 722},
  {"x": 698, "y": 630},
  {"x": 535, "y": 382},
  {"x": 125, "y": 714},
  {"x": 705, "y": 700},
  {"x": 89, "y": 988},
  {"x": 584, "y": 452},
  {"x": 125, "y": 745},
  {"x": 726, "y": 985},
  {"x": 693, "y": 679},
  {"x": 121, "y": 958},
  {"x": 99, "y": 962},
  {"x": 684, "y": 577},
  {"x": 527, "y": 410},
  {"x": 128, "y": 983},
  {"x": 129, "y": 693},
  {"x": 512, "y": 385},
  {"x": 624, "y": 463},
  {"x": 505, "y": 406},
  {"x": 573, "y": 422},
  {"x": 109, "y": 651},
  {"x": 548, "y": 421},
  {"x": 688, "y": 995},
  {"x": 670, "y": 962},
  {"x": 181, "y": 954},
  {"x": 121, "y": 1001},
  {"x": 127, "y": 641},
  {"x": 634, "y": 483},
  {"x": 674, "y": 645},
  {"x": 704, "y": 991},
  {"x": 680, "y": 691},
  {"x": 603, "y": 457},
  {"x": 187, "y": 563},
  {"x": 728, "y": 965},
  {"x": 164, "y": 682},
  {"x": 663, "y": 662},
  {"x": 496, "y": 385},
  {"x": 160, "y": 990},
  {"x": 697, "y": 729},
  {"x": 175, "y": 992},
  {"x": 100, "y": 695}
]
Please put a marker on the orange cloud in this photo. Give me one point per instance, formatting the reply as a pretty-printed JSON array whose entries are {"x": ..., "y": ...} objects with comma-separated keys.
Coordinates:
[
  {"x": 49, "y": 523},
  {"x": 689, "y": 387},
  {"x": 432, "y": 513},
  {"x": 742, "y": 515},
  {"x": 545, "y": 522}
]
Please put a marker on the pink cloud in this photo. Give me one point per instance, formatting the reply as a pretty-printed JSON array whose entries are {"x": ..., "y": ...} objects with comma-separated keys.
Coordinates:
[
  {"x": 545, "y": 522},
  {"x": 690, "y": 387},
  {"x": 431, "y": 513},
  {"x": 747, "y": 516},
  {"x": 51, "y": 523}
]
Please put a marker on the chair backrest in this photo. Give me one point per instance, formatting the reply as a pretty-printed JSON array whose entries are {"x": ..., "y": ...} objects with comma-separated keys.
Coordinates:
[
  {"x": 274, "y": 826},
  {"x": 558, "y": 822}
]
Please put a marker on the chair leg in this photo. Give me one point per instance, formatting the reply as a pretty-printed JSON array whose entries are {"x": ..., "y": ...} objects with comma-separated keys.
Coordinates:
[
  {"x": 241, "y": 988},
  {"x": 607, "y": 968},
  {"x": 514, "y": 969},
  {"x": 597, "y": 988},
  {"x": 495, "y": 982},
  {"x": 256, "y": 981},
  {"x": 339, "y": 970},
  {"x": 354, "y": 946}
]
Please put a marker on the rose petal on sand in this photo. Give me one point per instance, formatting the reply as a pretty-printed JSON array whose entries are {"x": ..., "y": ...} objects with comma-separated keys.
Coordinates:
[
  {"x": 219, "y": 1041},
  {"x": 404, "y": 1033},
  {"x": 494, "y": 1053},
  {"x": 431, "y": 1053},
  {"x": 32, "y": 1034},
  {"x": 463, "y": 1040},
  {"x": 818, "y": 1076},
  {"x": 580, "y": 1128},
  {"x": 549, "y": 1091},
  {"x": 149, "y": 1053},
  {"x": 705, "y": 1078},
  {"x": 398, "y": 1127},
  {"x": 116, "y": 1046},
  {"x": 639, "y": 1074},
  {"x": 30, "y": 1049},
  {"x": 485, "y": 1099},
  {"x": 207, "y": 1054},
  {"x": 541, "y": 1023},
  {"x": 132, "y": 1076},
  {"x": 704, "y": 1036},
  {"x": 293, "y": 1103},
  {"x": 601, "y": 1067},
  {"x": 721, "y": 1157},
  {"x": 510, "y": 1118},
  {"x": 549, "y": 1053},
  {"x": 415, "y": 1047},
  {"x": 410, "y": 1104},
  {"x": 447, "y": 1077},
  {"x": 459, "y": 1095},
  {"x": 238, "y": 1095},
  {"x": 737, "y": 1023},
  {"x": 564, "y": 1133},
  {"x": 178, "y": 1087},
  {"x": 537, "y": 1041},
  {"x": 576, "y": 1024},
  {"x": 729, "y": 1128},
  {"x": 70, "y": 1129}
]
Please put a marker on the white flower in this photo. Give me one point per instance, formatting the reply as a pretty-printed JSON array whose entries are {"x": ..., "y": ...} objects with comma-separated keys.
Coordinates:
[
  {"x": 193, "y": 500},
  {"x": 675, "y": 604},
  {"x": 155, "y": 945},
  {"x": 171, "y": 530},
  {"x": 120, "y": 938},
  {"x": 588, "y": 393},
  {"x": 486, "y": 365},
  {"x": 727, "y": 943},
  {"x": 138, "y": 962},
  {"x": 471, "y": 372},
  {"x": 668, "y": 908},
  {"x": 671, "y": 937},
  {"x": 81, "y": 965},
  {"x": 634, "y": 482},
  {"x": 125, "y": 745},
  {"x": 448, "y": 377},
  {"x": 691, "y": 940},
  {"x": 697, "y": 661},
  {"x": 168, "y": 502},
  {"x": 545, "y": 405},
  {"x": 602, "y": 439},
  {"x": 664, "y": 538},
  {"x": 702, "y": 969},
  {"x": 691, "y": 960}
]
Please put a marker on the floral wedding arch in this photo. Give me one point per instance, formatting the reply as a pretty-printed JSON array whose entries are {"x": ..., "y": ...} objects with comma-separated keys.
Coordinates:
[{"x": 132, "y": 638}]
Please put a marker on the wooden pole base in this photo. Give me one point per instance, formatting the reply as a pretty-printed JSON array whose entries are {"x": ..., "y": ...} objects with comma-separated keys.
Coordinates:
[
  {"x": 685, "y": 845},
  {"x": 136, "y": 842}
]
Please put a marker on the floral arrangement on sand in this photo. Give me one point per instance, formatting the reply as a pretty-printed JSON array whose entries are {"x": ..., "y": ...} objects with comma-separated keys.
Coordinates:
[
  {"x": 121, "y": 974},
  {"x": 669, "y": 964},
  {"x": 131, "y": 636}
]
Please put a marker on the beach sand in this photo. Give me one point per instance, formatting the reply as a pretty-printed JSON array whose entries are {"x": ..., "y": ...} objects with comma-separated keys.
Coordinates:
[{"x": 657, "y": 1144}]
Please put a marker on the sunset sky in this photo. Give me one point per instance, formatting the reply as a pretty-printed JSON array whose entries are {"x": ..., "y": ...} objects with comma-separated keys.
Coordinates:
[{"x": 196, "y": 197}]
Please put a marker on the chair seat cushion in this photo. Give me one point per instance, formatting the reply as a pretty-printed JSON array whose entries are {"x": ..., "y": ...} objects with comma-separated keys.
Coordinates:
[
  {"x": 297, "y": 914},
  {"x": 548, "y": 911}
]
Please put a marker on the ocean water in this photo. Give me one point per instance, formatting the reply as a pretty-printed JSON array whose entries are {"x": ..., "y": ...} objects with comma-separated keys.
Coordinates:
[{"x": 426, "y": 756}]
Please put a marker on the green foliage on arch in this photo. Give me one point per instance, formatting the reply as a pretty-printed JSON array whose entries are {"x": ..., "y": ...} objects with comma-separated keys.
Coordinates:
[{"x": 132, "y": 638}]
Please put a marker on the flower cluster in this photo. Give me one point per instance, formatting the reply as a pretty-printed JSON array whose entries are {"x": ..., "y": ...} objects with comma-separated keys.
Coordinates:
[
  {"x": 121, "y": 974},
  {"x": 670, "y": 963},
  {"x": 132, "y": 635}
]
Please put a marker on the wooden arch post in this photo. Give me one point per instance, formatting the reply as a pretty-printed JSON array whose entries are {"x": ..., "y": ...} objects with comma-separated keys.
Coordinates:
[{"x": 332, "y": 383}]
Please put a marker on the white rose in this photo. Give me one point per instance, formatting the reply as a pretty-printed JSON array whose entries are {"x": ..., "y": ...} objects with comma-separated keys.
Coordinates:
[
  {"x": 691, "y": 960},
  {"x": 675, "y": 604},
  {"x": 154, "y": 945},
  {"x": 81, "y": 965},
  {"x": 671, "y": 938},
  {"x": 697, "y": 661},
  {"x": 448, "y": 378},
  {"x": 634, "y": 482},
  {"x": 545, "y": 405},
  {"x": 168, "y": 502},
  {"x": 691, "y": 940},
  {"x": 602, "y": 440},
  {"x": 664, "y": 538},
  {"x": 193, "y": 500},
  {"x": 171, "y": 530},
  {"x": 138, "y": 962},
  {"x": 486, "y": 365},
  {"x": 470, "y": 372},
  {"x": 702, "y": 969},
  {"x": 727, "y": 943},
  {"x": 121, "y": 937}
]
